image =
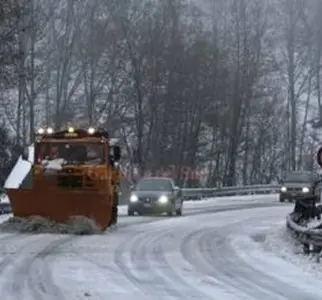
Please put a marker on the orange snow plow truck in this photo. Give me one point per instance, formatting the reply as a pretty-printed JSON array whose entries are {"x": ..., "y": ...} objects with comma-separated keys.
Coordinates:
[{"x": 74, "y": 173}]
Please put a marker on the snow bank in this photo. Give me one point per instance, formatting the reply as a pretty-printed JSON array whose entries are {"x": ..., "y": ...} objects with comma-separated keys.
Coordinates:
[
  {"x": 280, "y": 242},
  {"x": 313, "y": 223},
  {"x": 78, "y": 226},
  {"x": 245, "y": 198}
]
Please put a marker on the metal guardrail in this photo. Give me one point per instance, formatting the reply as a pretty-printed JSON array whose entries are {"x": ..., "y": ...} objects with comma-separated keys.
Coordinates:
[
  {"x": 296, "y": 222},
  {"x": 200, "y": 193},
  {"x": 193, "y": 193}
]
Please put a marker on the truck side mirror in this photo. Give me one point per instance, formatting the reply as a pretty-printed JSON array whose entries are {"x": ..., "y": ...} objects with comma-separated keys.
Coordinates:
[
  {"x": 25, "y": 154},
  {"x": 116, "y": 153}
]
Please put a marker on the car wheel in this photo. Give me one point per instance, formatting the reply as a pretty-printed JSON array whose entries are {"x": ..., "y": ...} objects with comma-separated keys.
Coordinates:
[
  {"x": 282, "y": 199},
  {"x": 179, "y": 211},
  {"x": 172, "y": 210},
  {"x": 130, "y": 212}
]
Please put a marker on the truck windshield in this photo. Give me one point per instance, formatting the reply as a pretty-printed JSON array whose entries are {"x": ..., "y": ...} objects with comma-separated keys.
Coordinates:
[
  {"x": 299, "y": 177},
  {"x": 154, "y": 185},
  {"x": 70, "y": 153}
]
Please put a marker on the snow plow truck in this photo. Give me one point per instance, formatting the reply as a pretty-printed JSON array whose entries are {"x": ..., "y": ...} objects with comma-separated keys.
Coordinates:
[{"x": 75, "y": 172}]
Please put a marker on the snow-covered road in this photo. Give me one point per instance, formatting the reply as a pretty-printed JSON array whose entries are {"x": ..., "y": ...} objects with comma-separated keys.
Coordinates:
[{"x": 212, "y": 252}]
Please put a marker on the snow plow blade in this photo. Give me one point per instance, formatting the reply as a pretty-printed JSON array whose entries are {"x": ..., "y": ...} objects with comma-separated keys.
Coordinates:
[{"x": 60, "y": 205}]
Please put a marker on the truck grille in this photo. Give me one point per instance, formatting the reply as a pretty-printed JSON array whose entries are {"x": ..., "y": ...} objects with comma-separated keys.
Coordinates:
[{"x": 71, "y": 181}]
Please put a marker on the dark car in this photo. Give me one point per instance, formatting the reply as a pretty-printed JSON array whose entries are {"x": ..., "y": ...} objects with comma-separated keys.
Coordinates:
[
  {"x": 298, "y": 184},
  {"x": 155, "y": 195}
]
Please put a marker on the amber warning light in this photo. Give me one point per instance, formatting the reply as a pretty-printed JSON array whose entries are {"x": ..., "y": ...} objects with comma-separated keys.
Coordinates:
[{"x": 69, "y": 132}]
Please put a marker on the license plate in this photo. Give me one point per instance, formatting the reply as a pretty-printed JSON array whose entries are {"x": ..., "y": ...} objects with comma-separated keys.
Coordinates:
[{"x": 147, "y": 205}]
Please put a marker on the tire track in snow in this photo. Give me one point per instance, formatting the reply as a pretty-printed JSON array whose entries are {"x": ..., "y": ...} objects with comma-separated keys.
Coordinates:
[
  {"x": 142, "y": 262},
  {"x": 40, "y": 281},
  {"x": 137, "y": 258},
  {"x": 219, "y": 260},
  {"x": 25, "y": 274}
]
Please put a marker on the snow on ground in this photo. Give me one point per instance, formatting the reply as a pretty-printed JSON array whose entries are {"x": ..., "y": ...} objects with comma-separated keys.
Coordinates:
[
  {"x": 247, "y": 198},
  {"x": 280, "y": 241},
  {"x": 78, "y": 225},
  {"x": 265, "y": 253},
  {"x": 206, "y": 257},
  {"x": 268, "y": 198},
  {"x": 224, "y": 255}
]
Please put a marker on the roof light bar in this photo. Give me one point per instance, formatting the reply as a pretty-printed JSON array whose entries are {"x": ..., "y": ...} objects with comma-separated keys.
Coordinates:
[
  {"x": 50, "y": 130},
  {"x": 91, "y": 130}
]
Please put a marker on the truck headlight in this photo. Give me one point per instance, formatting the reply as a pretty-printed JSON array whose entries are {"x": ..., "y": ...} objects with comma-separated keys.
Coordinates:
[
  {"x": 134, "y": 198},
  {"x": 305, "y": 190},
  {"x": 163, "y": 199},
  {"x": 283, "y": 189}
]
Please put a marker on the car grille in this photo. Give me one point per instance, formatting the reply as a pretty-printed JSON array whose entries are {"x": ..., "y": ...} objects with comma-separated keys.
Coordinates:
[
  {"x": 148, "y": 199},
  {"x": 294, "y": 189}
]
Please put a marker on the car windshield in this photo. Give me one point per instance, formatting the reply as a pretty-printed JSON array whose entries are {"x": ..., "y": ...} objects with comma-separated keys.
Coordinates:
[
  {"x": 153, "y": 185},
  {"x": 70, "y": 153},
  {"x": 299, "y": 177}
]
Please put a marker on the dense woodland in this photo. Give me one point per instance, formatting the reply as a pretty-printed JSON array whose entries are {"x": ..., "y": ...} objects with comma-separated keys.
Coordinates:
[{"x": 229, "y": 86}]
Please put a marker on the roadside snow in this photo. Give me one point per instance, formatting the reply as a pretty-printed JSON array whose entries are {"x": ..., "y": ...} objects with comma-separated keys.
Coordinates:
[
  {"x": 285, "y": 246},
  {"x": 245, "y": 198},
  {"x": 313, "y": 223}
]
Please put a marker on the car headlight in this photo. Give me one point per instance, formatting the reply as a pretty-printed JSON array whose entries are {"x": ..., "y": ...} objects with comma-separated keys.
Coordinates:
[
  {"x": 163, "y": 199},
  {"x": 283, "y": 189},
  {"x": 134, "y": 198},
  {"x": 305, "y": 190}
]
